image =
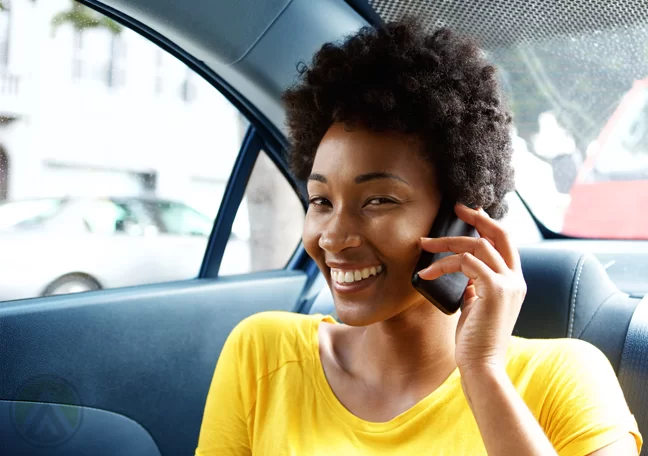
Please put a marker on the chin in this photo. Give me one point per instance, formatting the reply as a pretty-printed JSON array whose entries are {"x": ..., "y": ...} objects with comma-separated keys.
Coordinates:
[{"x": 355, "y": 313}]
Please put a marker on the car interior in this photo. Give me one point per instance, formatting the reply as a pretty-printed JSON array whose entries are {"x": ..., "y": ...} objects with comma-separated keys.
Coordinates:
[{"x": 141, "y": 358}]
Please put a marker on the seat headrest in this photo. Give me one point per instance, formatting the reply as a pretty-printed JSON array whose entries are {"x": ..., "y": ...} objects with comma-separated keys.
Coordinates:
[
  {"x": 565, "y": 288},
  {"x": 569, "y": 294}
]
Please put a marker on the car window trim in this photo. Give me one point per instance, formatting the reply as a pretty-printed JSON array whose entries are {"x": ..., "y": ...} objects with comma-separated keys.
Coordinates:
[{"x": 232, "y": 197}]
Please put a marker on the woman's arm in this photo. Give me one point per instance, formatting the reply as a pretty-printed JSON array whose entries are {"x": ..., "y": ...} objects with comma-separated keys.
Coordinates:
[
  {"x": 506, "y": 424},
  {"x": 224, "y": 429}
]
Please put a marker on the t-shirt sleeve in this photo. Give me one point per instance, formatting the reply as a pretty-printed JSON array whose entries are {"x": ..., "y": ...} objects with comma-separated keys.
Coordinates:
[
  {"x": 224, "y": 429},
  {"x": 585, "y": 409},
  {"x": 256, "y": 347}
]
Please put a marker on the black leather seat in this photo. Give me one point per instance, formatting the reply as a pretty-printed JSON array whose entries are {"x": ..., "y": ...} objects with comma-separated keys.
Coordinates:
[{"x": 569, "y": 294}]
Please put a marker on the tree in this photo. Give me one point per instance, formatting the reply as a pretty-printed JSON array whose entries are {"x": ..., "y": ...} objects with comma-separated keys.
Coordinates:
[{"x": 82, "y": 18}]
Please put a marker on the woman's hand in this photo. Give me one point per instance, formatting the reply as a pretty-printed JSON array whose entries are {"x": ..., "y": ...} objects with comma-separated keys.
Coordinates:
[{"x": 494, "y": 294}]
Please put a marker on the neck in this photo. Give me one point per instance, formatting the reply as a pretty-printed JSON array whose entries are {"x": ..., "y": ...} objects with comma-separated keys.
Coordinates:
[{"x": 413, "y": 350}]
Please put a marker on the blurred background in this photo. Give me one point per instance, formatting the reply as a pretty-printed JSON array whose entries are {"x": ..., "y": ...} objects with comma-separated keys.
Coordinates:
[{"x": 113, "y": 152}]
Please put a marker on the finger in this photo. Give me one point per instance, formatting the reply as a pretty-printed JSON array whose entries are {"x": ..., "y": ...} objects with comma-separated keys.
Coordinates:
[
  {"x": 479, "y": 247},
  {"x": 468, "y": 264},
  {"x": 487, "y": 227},
  {"x": 470, "y": 294}
]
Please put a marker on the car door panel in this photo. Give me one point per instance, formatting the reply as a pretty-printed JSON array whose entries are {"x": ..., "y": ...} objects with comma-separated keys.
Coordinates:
[
  {"x": 102, "y": 433},
  {"x": 146, "y": 353}
]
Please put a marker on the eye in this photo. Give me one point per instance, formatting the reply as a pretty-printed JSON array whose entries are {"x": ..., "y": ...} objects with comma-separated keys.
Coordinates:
[
  {"x": 319, "y": 201},
  {"x": 380, "y": 200}
]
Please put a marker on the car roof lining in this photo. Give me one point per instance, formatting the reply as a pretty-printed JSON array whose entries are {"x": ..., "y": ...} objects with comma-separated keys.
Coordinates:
[{"x": 228, "y": 30}]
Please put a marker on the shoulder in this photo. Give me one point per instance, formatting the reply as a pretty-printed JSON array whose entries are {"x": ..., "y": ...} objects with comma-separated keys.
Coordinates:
[
  {"x": 267, "y": 340},
  {"x": 571, "y": 388},
  {"x": 566, "y": 374},
  {"x": 274, "y": 326},
  {"x": 555, "y": 355}
]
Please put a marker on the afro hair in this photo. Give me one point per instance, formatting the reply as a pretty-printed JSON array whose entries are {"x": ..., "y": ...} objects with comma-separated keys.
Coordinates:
[{"x": 398, "y": 77}]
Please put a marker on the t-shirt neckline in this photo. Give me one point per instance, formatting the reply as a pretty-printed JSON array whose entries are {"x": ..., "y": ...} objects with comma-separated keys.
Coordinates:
[{"x": 356, "y": 422}]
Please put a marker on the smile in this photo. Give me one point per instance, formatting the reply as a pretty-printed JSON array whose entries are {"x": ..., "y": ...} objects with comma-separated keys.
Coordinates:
[{"x": 356, "y": 275}]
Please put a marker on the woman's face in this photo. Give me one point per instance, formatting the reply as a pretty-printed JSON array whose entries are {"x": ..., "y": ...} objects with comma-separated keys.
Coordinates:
[{"x": 372, "y": 197}]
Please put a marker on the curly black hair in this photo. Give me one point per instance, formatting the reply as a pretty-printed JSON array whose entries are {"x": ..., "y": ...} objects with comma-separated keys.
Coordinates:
[{"x": 398, "y": 77}]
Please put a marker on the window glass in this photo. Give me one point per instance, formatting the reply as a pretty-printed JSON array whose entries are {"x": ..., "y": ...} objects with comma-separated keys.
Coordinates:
[
  {"x": 107, "y": 217},
  {"x": 5, "y": 28},
  {"x": 182, "y": 220},
  {"x": 624, "y": 154},
  {"x": 105, "y": 120},
  {"x": 268, "y": 225},
  {"x": 580, "y": 105}
]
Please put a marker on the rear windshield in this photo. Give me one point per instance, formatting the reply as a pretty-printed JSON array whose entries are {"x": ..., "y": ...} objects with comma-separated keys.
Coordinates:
[{"x": 580, "y": 107}]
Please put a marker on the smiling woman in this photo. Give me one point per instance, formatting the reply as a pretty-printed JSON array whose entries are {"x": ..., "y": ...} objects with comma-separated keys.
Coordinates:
[{"x": 384, "y": 127}]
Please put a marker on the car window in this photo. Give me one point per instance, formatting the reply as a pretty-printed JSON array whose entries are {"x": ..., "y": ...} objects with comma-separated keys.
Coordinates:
[
  {"x": 268, "y": 225},
  {"x": 107, "y": 217},
  {"x": 182, "y": 220},
  {"x": 623, "y": 151},
  {"x": 580, "y": 106},
  {"x": 97, "y": 113}
]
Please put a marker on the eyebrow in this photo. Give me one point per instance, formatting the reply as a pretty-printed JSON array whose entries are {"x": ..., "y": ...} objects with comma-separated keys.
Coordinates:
[{"x": 362, "y": 178}]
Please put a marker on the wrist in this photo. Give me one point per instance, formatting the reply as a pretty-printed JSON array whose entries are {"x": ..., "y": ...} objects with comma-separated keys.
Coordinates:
[
  {"x": 483, "y": 371},
  {"x": 478, "y": 381}
]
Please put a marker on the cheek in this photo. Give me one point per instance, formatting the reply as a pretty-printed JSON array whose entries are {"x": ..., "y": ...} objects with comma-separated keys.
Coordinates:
[
  {"x": 310, "y": 237},
  {"x": 399, "y": 236},
  {"x": 398, "y": 239}
]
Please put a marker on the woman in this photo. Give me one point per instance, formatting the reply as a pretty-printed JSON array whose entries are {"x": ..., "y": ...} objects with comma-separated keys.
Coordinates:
[{"x": 384, "y": 126}]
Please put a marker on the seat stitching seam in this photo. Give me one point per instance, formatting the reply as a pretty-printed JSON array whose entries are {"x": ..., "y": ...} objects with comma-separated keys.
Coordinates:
[
  {"x": 574, "y": 296},
  {"x": 598, "y": 310}
]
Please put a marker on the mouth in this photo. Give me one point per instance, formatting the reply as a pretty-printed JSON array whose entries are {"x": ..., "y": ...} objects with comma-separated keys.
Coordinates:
[{"x": 354, "y": 280}]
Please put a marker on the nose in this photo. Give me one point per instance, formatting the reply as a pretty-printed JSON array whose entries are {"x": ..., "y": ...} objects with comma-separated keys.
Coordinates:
[{"x": 340, "y": 232}]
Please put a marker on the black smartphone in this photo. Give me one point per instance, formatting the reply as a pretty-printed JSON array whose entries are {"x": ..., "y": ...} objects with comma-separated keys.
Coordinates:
[{"x": 447, "y": 291}]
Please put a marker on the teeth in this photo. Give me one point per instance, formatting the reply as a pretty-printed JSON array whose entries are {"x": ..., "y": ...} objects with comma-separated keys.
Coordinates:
[{"x": 354, "y": 276}]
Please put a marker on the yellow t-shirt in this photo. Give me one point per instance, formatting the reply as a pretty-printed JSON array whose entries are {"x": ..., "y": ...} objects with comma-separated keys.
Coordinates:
[{"x": 269, "y": 396}]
